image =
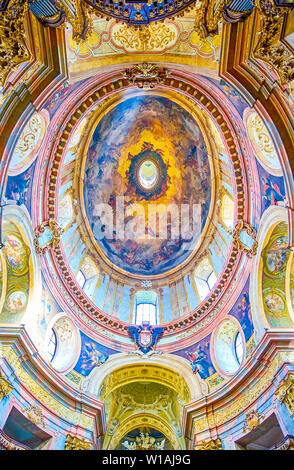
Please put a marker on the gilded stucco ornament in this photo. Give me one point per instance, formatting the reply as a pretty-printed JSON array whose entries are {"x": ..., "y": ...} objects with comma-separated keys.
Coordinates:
[
  {"x": 13, "y": 49},
  {"x": 213, "y": 444},
  {"x": 47, "y": 235},
  {"x": 208, "y": 15},
  {"x": 244, "y": 238},
  {"x": 270, "y": 47},
  {"x": 147, "y": 38},
  {"x": 35, "y": 414},
  {"x": 74, "y": 443},
  {"x": 285, "y": 392},
  {"x": 252, "y": 420},
  {"x": 145, "y": 336},
  {"x": 79, "y": 17},
  {"x": 146, "y": 75},
  {"x": 5, "y": 387}
]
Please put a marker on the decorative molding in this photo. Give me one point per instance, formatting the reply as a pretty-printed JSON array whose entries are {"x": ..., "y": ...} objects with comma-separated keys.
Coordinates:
[
  {"x": 156, "y": 36},
  {"x": 285, "y": 392},
  {"x": 41, "y": 393},
  {"x": 79, "y": 17},
  {"x": 50, "y": 225},
  {"x": 13, "y": 49},
  {"x": 74, "y": 443},
  {"x": 5, "y": 387},
  {"x": 240, "y": 227},
  {"x": 245, "y": 400},
  {"x": 141, "y": 373},
  {"x": 213, "y": 444},
  {"x": 209, "y": 14},
  {"x": 252, "y": 420},
  {"x": 144, "y": 420},
  {"x": 35, "y": 414},
  {"x": 146, "y": 75},
  {"x": 270, "y": 48}
]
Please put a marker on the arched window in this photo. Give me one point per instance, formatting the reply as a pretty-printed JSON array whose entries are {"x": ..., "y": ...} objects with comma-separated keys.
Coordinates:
[
  {"x": 81, "y": 278},
  {"x": 228, "y": 211},
  {"x": 205, "y": 278},
  {"x": 52, "y": 345},
  {"x": 146, "y": 308},
  {"x": 63, "y": 343},
  {"x": 228, "y": 347},
  {"x": 239, "y": 347},
  {"x": 87, "y": 276}
]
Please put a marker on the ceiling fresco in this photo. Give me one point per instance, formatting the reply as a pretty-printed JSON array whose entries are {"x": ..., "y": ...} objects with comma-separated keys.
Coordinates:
[
  {"x": 174, "y": 41},
  {"x": 147, "y": 151}
]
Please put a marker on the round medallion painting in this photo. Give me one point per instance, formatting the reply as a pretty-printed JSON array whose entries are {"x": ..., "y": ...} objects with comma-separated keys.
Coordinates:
[
  {"x": 16, "y": 253},
  {"x": 16, "y": 301},
  {"x": 147, "y": 185},
  {"x": 274, "y": 302},
  {"x": 277, "y": 254}
]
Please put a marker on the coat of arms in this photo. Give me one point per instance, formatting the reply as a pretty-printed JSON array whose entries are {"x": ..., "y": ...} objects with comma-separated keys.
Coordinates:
[{"x": 145, "y": 336}]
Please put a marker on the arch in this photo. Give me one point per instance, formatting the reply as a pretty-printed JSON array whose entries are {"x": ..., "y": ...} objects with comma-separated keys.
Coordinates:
[
  {"x": 235, "y": 328},
  {"x": 262, "y": 143},
  {"x": 178, "y": 367},
  {"x": 19, "y": 215},
  {"x": 145, "y": 420},
  {"x": 68, "y": 346},
  {"x": 273, "y": 216}
]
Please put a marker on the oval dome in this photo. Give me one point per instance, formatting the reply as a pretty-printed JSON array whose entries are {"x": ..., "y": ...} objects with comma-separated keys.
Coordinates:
[{"x": 147, "y": 185}]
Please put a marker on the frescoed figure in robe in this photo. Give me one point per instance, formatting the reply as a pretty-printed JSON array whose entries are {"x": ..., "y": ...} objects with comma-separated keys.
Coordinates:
[
  {"x": 272, "y": 193},
  {"x": 199, "y": 362},
  {"x": 245, "y": 316},
  {"x": 91, "y": 358}
]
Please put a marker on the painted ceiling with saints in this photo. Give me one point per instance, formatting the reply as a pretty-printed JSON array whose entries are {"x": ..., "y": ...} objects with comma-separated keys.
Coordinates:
[{"x": 148, "y": 151}]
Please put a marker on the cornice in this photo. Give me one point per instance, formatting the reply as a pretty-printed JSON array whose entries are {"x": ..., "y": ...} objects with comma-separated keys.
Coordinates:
[
  {"x": 228, "y": 401},
  {"x": 18, "y": 339}
]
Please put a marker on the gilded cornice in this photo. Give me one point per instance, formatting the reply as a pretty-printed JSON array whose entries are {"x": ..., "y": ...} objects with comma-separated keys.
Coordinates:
[
  {"x": 270, "y": 47},
  {"x": 19, "y": 353},
  {"x": 237, "y": 396},
  {"x": 213, "y": 444},
  {"x": 5, "y": 387},
  {"x": 74, "y": 443},
  {"x": 285, "y": 392},
  {"x": 13, "y": 48}
]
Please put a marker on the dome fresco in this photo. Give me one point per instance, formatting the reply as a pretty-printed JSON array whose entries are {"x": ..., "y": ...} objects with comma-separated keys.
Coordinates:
[{"x": 147, "y": 159}]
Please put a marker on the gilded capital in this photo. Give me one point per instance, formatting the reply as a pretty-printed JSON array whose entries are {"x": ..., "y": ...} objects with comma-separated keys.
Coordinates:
[
  {"x": 285, "y": 392},
  {"x": 5, "y": 387},
  {"x": 74, "y": 443},
  {"x": 213, "y": 444},
  {"x": 13, "y": 49}
]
